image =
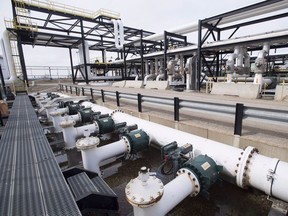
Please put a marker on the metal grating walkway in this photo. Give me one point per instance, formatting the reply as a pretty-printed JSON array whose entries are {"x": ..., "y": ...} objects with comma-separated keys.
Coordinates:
[{"x": 31, "y": 182}]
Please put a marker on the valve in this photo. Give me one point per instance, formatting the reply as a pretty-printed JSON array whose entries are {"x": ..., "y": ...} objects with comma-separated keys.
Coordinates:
[
  {"x": 205, "y": 169},
  {"x": 175, "y": 156}
]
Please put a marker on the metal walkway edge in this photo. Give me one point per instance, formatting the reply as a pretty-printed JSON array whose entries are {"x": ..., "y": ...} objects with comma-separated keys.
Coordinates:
[{"x": 31, "y": 182}]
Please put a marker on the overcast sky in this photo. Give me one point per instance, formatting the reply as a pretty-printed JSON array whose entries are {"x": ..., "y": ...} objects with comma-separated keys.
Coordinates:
[{"x": 151, "y": 15}]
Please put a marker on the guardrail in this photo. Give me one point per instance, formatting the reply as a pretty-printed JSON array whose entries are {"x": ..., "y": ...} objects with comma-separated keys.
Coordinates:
[{"x": 238, "y": 111}]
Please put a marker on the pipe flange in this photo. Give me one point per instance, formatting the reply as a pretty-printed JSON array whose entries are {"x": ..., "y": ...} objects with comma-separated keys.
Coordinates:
[
  {"x": 115, "y": 111},
  {"x": 243, "y": 166},
  {"x": 127, "y": 143},
  {"x": 144, "y": 195},
  {"x": 194, "y": 180},
  {"x": 68, "y": 123},
  {"x": 87, "y": 143}
]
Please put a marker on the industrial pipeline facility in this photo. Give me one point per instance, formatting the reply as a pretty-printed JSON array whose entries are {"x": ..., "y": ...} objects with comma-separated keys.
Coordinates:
[{"x": 158, "y": 124}]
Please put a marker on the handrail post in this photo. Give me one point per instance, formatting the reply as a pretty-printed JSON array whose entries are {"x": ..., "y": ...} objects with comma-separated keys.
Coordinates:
[
  {"x": 66, "y": 87},
  {"x": 103, "y": 96},
  {"x": 91, "y": 93},
  {"x": 239, "y": 113},
  {"x": 117, "y": 99},
  {"x": 176, "y": 108},
  {"x": 76, "y": 91},
  {"x": 71, "y": 90},
  {"x": 82, "y": 91},
  {"x": 139, "y": 98}
]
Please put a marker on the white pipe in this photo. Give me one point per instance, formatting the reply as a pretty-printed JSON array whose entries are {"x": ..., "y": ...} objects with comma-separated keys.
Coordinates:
[
  {"x": 160, "y": 77},
  {"x": 223, "y": 155},
  {"x": 8, "y": 55},
  {"x": 93, "y": 156},
  {"x": 57, "y": 118},
  {"x": 6, "y": 73},
  {"x": 116, "y": 33},
  {"x": 193, "y": 27},
  {"x": 261, "y": 63},
  {"x": 174, "y": 192},
  {"x": 149, "y": 76},
  {"x": 121, "y": 33},
  {"x": 71, "y": 133}
]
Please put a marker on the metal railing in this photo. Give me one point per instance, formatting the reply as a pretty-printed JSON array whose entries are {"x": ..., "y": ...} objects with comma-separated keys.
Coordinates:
[
  {"x": 67, "y": 9},
  {"x": 238, "y": 112},
  {"x": 48, "y": 72}
]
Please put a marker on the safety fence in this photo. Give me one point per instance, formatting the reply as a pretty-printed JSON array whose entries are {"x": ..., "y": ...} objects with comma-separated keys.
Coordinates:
[{"x": 238, "y": 112}]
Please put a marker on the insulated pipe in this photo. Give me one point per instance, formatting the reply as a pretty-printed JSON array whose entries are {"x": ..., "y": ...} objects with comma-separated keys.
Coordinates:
[
  {"x": 261, "y": 63},
  {"x": 71, "y": 133},
  {"x": 230, "y": 64},
  {"x": 234, "y": 160},
  {"x": 8, "y": 55},
  {"x": 92, "y": 156}
]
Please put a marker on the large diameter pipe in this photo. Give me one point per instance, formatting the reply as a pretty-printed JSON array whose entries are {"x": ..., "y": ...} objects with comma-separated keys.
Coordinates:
[{"x": 223, "y": 155}]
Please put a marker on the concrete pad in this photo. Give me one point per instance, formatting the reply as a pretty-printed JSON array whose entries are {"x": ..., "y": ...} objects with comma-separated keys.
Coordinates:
[
  {"x": 134, "y": 84},
  {"x": 160, "y": 85},
  {"x": 243, "y": 90},
  {"x": 281, "y": 92},
  {"x": 119, "y": 84}
]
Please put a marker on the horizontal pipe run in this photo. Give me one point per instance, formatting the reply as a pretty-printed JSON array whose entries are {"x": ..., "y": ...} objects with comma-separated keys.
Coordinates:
[{"x": 93, "y": 157}]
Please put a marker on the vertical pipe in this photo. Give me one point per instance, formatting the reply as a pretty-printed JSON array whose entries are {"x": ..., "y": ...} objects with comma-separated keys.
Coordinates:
[
  {"x": 83, "y": 91},
  {"x": 71, "y": 90}
]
